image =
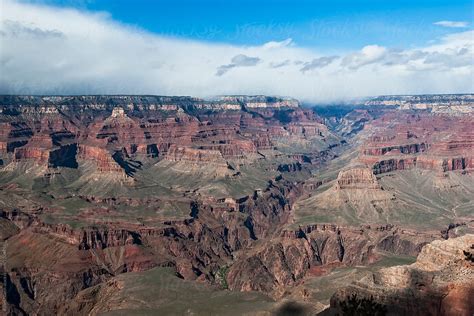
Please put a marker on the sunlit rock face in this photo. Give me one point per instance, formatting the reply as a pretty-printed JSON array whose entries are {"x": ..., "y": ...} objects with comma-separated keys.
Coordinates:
[
  {"x": 440, "y": 282},
  {"x": 400, "y": 141}
]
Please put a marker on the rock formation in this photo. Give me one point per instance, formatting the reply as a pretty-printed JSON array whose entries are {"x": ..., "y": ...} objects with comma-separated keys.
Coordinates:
[
  {"x": 356, "y": 178},
  {"x": 441, "y": 143},
  {"x": 239, "y": 193},
  {"x": 275, "y": 265},
  {"x": 119, "y": 134},
  {"x": 443, "y": 103},
  {"x": 440, "y": 282}
]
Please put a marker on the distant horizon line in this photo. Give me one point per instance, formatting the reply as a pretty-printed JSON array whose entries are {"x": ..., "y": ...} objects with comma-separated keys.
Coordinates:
[{"x": 221, "y": 95}]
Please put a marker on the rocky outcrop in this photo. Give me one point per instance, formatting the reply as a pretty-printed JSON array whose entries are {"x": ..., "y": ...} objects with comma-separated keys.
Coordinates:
[
  {"x": 421, "y": 162},
  {"x": 443, "y": 164},
  {"x": 260, "y": 101},
  {"x": 18, "y": 218},
  {"x": 7, "y": 229},
  {"x": 270, "y": 208},
  {"x": 450, "y": 231},
  {"x": 355, "y": 196},
  {"x": 404, "y": 246},
  {"x": 440, "y": 143},
  {"x": 389, "y": 165},
  {"x": 357, "y": 178},
  {"x": 290, "y": 167},
  {"x": 398, "y": 149},
  {"x": 440, "y": 282},
  {"x": 277, "y": 264},
  {"x": 26, "y": 153},
  {"x": 442, "y": 103},
  {"x": 101, "y": 157},
  {"x": 101, "y": 239},
  {"x": 38, "y": 148},
  {"x": 192, "y": 155},
  {"x": 70, "y": 260}
]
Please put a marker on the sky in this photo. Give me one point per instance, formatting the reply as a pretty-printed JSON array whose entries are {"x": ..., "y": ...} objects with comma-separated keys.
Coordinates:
[{"x": 316, "y": 51}]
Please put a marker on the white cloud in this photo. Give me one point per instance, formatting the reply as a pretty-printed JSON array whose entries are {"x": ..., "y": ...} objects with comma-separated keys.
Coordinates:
[
  {"x": 318, "y": 63},
  {"x": 45, "y": 49},
  {"x": 273, "y": 44},
  {"x": 240, "y": 60},
  {"x": 279, "y": 64},
  {"x": 368, "y": 55},
  {"x": 454, "y": 24}
]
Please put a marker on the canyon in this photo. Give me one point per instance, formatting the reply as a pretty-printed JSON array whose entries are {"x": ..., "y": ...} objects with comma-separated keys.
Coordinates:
[{"x": 120, "y": 204}]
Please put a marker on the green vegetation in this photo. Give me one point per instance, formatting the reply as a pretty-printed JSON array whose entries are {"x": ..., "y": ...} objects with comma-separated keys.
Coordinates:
[
  {"x": 221, "y": 277},
  {"x": 469, "y": 256},
  {"x": 355, "y": 306}
]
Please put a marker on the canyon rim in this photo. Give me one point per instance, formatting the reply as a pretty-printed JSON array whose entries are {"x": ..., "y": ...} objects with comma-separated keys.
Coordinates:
[{"x": 236, "y": 158}]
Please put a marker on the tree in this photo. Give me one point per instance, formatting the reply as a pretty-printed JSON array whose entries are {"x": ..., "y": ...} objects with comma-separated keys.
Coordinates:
[
  {"x": 469, "y": 256},
  {"x": 353, "y": 306}
]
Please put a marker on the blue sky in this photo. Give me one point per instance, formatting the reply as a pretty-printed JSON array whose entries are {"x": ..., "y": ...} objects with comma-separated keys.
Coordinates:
[
  {"x": 316, "y": 51},
  {"x": 327, "y": 25}
]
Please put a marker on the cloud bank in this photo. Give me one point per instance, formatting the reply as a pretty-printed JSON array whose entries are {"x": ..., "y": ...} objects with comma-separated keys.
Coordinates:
[{"x": 49, "y": 50}]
